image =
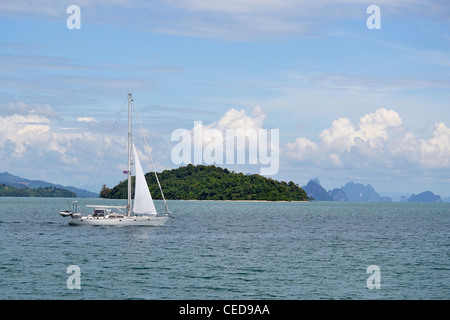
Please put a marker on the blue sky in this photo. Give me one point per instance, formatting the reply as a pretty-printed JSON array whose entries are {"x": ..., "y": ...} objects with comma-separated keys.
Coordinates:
[{"x": 351, "y": 104}]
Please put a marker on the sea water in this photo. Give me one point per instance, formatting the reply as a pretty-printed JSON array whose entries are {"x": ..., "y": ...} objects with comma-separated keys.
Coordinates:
[{"x": 228, "y": 250}]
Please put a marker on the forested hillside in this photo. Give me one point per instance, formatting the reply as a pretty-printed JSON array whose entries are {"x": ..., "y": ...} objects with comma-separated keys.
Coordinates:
[
  {"x": 213, "y": 183},
  {"x": 9, "y": 191}
]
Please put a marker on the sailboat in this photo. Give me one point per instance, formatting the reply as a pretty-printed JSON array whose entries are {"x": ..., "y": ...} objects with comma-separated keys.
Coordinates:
[{"x": 140, "y": 212}]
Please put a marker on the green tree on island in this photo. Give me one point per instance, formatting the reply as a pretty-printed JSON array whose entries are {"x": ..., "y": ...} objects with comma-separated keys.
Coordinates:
[
  {"x": 212, "y": 183},
  {"x": 9, "y": 191}
]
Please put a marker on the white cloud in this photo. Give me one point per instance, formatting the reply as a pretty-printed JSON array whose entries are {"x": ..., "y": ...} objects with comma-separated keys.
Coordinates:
[
  {"x": 372, "y": 129},
  {"x": 302, "y": 150},
  {"x": 86, "y": 119},
  {"x": 233, "y": 119},
  {"x": 31, "y": 139},
  {"x": 239, "y": 119},
  {"x": 435, "y": 152},
  {"x": 340, "y": 137},
  {"x": 26, "y": 131},
  {"x": 378, "y": 140},
  {"x": 235, "y": 139},
  {"x": 22, "y": 131}
]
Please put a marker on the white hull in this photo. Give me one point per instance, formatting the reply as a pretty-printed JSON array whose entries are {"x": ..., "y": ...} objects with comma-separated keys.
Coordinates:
[{"x": 123, "y": 221}]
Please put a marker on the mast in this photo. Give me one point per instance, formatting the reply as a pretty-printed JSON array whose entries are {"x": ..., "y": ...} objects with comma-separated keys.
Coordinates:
[
  {"x": 129, "y": 155},
  {"x": 153, "y": 164}
]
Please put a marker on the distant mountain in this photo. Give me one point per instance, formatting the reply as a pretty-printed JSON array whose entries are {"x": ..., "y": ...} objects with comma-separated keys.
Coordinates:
[
  {"x": 338, "y": 195},
  {"x": 18, "y": 182},
  {"x": 357, "y": 192},
  {"x": 315, "y": 190},
  {"x": 426, "y": 196},
  {"x": 13, "y": 181}
]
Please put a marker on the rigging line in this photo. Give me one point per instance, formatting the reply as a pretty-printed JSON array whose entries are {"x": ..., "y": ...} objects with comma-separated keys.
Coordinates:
[
  {"x": 151, "y": 159},
  {"x": 107, "y": 145}
]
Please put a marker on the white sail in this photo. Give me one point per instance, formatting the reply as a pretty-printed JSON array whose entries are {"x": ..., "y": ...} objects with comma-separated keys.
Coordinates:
[{"x": 143, "y": 202}]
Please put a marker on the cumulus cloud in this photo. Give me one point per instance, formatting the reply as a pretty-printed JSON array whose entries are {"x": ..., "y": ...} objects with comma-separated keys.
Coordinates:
[
  {"x": 372, "y": 129},
  {"x": 236, "y": 120},
  {"x": 379, "y": 139},
  {"x": 19, "y": 131},
  {"x": 229, "y": 140},
  {"x": 33, "y": 146},
  {"x": 233, "y": 119},
  {"x": 435, "y": 152},
  {"x": 239, "y": 119},
  {"x": 30, "y": 138}
]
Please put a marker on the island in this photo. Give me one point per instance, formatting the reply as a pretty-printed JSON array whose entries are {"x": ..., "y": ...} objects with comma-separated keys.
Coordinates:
[
  {"x": 51, "y": 192},
  {"x": 202, "y": 182},
  {"x": 426, "y": 196}
]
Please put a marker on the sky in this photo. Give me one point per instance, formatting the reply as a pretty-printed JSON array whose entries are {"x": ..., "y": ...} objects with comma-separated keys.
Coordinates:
[{"x": 350, "y": 102}]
